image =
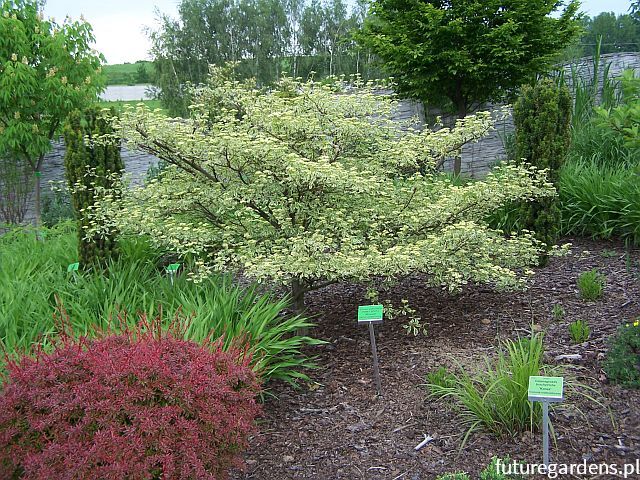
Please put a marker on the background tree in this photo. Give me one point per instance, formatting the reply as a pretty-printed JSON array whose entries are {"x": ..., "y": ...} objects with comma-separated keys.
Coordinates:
[
  {"x": 305, "y": 185},
  {"x": 460, "y": 54},
  {"x": 265, "y": 37},
  {"x": 542, "y": 118},
  {"x": 619, "y": 34},
  {"x": 46, "y": 71},
  {"x": 92, "y": 165}
]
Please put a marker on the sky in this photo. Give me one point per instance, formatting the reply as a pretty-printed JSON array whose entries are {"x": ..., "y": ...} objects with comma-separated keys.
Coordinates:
[{"x": 119, "y": 25}]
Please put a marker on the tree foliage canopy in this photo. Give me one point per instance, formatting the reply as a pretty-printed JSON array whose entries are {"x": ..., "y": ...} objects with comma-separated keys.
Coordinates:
[
  {"x": 458, "y": 54},
  {"x": 46, "y": 71},
  {"x": 308, "y": 184}
]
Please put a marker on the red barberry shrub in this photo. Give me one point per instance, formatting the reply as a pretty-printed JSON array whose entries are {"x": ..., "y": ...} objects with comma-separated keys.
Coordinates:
[{"x": 136, "y": 405}]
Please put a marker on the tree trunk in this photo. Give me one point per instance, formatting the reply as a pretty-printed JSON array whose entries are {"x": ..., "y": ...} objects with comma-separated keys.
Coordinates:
[
  {"x": 297, "y": 297},
  {"x": 462, "y": 112},
  {"x": 38, "y": 213}
]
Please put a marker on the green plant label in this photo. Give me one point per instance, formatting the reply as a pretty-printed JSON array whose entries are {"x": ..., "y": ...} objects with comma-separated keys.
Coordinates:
[
  {"x": 370, "y": 313},
  {"x": 73, "y": 267},
  {"x": 550, "y": 389},
  {"x": 173, "y": 268},
  {"x": 37, "y": 174}
]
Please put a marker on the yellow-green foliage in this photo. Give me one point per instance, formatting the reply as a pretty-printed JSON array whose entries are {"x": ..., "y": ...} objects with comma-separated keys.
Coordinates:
[{"x": 308, "y": 184}]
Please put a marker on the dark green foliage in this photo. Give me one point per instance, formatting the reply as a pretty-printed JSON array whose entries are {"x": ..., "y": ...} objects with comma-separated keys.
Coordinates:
[
  {"x": 623, "y": 360},
  {"x": 542, "y": 117},
  {"x": 91, "y": 162},
  {"x": 459, "y": 54},
  {"x": 56, "y": 208}
]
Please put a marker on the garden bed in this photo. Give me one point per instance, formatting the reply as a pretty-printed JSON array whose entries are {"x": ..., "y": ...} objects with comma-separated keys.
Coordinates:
[{"x": 337, "y": 428}]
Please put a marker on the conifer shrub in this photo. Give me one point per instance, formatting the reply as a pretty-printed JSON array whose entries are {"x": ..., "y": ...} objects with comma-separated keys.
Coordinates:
[
  {"x": 92, "y": 164},
  {"x": 139, "y": 404},
  {"x": 542, "y": 118}
]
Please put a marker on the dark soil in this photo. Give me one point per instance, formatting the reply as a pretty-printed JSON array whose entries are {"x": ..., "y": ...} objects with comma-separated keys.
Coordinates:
[{"x": 336, "y": 428}]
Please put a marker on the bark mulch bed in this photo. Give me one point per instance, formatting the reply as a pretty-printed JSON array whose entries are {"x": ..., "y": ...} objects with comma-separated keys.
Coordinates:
[{"x": 335, "y": 427}]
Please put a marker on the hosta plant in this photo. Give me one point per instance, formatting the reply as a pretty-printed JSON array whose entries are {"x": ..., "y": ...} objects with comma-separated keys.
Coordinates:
[{"x": 140, "y": 404}]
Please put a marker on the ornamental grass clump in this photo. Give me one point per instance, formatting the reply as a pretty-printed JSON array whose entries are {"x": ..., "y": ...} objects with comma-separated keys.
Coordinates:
[
  {"x": 140, "y": 404},
  {"x": 496, "y": 398}
]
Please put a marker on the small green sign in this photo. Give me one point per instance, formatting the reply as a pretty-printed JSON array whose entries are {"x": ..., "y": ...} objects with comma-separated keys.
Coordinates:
[
  {"x": 173, "y": 268},
  {"x": 546, "y": 389},
  {"x": 73, "y": 267},
  {"x": 37, "y": 174},
  {"x": 370, "y": 313}
]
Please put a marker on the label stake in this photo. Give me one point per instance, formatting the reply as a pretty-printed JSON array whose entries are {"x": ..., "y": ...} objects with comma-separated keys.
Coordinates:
[
  {"x": 372, "y": 314},
  {"x": 546, "y": 390},
  {"x": 172, "y": 270}
]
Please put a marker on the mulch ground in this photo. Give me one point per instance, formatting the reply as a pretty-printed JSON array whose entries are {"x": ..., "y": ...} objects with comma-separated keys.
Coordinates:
[{"x": 337, "y": 428}]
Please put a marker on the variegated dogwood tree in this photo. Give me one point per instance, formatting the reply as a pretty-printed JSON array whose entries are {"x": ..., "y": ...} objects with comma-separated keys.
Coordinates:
[{"x": 309, "y": 184}]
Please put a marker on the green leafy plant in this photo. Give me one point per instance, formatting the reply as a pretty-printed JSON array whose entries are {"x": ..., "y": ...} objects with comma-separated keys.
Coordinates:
[
  {"x": 56, "y": 207},
  {"x": 441, "y": 377},
  {"x": 493, "y": 471},
  {"x": 34, "y": 273},
  {"x": 496, "y": 398},
  {"x": 454, "y": 476},
  {"x": 600, "y": 200},
  {"x": 579, "y": 331},
  {"x": 558, "y": 312},
  {"x": 591, "y": 284},
  {"x": 48, "y": 70},
  {"x": 622, "y": 365}
]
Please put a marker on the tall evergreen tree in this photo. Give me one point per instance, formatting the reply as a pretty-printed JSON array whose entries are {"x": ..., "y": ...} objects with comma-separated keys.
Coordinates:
[
  {"x": 542, "y": 117},
  {"x": 92, "y": 162}
]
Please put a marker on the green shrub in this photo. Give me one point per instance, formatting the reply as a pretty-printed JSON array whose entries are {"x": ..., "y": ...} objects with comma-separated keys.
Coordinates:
[
  {"x": 558, "y": 312},
  {"x": 622, "y": 365},
  {"x": 591, "y": 284},
  {"x": 579, "y": 331},
  {"x": 542, "y": 118},
  {"x": 34, "y": 273},
  {"x": 496, "y": 399},
  {"x": 92, "y": 162}
]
